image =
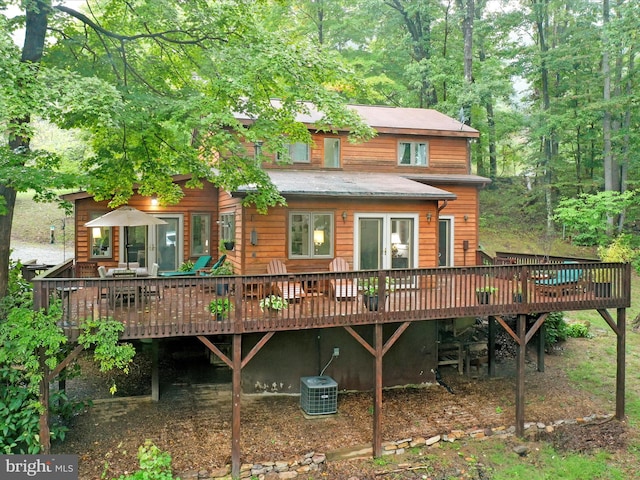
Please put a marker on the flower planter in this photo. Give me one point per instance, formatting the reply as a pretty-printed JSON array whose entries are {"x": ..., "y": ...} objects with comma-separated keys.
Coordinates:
[
  {"x": 229, "y": 245},
  {"x": 371, "y": 302}
]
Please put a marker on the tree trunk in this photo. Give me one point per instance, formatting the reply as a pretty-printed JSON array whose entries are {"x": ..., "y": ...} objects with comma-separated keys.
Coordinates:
[{"x": 35, "y": 31}]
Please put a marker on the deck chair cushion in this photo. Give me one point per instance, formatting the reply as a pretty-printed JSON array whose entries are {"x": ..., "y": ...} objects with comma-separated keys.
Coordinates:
[
  {"x": 201, "y": 263},
  {"x": 342, "y": 288}
]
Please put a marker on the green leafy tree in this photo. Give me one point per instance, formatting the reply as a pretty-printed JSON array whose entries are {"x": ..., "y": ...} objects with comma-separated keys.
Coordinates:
[
  {"x": 585, "y": 217},
  {"x": 157, "y": 86}
]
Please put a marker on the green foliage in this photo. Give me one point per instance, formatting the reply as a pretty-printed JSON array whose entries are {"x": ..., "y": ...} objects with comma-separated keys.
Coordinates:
[
  {"x": 369, "y": 286},
  {"x": 585, "y": 217},
  {"x": 578, "y": 330},
  {"x": 154, "y": 464},
  {"x": 621, "y": 249},
  {"x": 186, "y": 266},
  {"x": 110, "y": 354},
  {"x": 556, "y": 329},
  {"x": 273, "y": 302},
  {"x": 487, "y": 289},
  {"x": 225, "y": 269},
  {"x": 220, "y": 307},
  {"x": 19, "y": 291}
]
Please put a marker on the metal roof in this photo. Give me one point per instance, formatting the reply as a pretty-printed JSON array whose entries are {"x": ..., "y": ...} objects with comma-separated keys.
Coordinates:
[
  {"x": 399, "y": 120},
  {"x": 351, "y": 184}
]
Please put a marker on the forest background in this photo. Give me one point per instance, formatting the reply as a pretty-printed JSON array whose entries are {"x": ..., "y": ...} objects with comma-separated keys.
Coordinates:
[{"x": 551, "y": 86}]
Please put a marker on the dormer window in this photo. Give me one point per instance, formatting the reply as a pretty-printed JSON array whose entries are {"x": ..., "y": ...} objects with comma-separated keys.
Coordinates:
[{"x": 413, "y": 153}]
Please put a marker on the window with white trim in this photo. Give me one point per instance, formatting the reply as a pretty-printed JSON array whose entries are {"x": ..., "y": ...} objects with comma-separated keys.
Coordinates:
[
  {"x": 228, "y": 227},
  {"x": 413, "y": 153},
  {"x": 200, "y": 234},
  {"x": 297, "y": 153},
  {"x": 100, "y": 240},
  {"x": 310, "y": 235}
]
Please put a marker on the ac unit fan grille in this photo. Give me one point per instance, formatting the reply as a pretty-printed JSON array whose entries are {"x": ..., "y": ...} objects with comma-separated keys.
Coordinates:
[{"x": 318, "y": 395}]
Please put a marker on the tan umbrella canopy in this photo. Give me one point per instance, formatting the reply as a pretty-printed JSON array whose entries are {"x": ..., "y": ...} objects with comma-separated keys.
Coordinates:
[{"x": 125, "y": 217}]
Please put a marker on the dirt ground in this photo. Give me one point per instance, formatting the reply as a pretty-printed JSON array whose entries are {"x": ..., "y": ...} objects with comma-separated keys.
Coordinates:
[{"x": 192, "y": 420}]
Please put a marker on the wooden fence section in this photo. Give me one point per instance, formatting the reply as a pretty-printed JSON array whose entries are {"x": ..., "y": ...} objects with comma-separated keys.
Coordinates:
[{"x": 179, "y": 306}]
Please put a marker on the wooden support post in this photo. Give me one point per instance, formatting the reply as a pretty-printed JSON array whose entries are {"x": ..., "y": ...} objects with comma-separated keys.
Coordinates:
[
  {"x": 520, "y": 366},
  {"x": 491, "y": 347},
  {"x": 620, "y": 370},
  {"x": 541, "y": 333},
  {"x": 235, "y": 406},
  {"x": 45, "y": 432},
  {"x": 377, "y": 409},
  {"x": 155, "y": 370}
]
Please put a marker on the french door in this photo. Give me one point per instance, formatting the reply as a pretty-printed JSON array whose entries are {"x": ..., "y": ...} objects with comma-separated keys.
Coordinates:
[
  {"x": 385, "y": 241},
  {"x": 161, "y": 244}
]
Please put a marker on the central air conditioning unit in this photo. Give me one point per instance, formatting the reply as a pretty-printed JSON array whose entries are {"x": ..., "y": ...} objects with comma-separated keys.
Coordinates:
[{"x": 318, "y": 395}]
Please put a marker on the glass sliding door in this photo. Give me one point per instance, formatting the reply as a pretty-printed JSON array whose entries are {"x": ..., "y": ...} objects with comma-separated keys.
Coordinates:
[{"x": 386, "y": 241}]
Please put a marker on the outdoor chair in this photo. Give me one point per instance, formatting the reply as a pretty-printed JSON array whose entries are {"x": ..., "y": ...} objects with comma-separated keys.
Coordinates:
[
  {"x": 121, "y": 292},
  {"x": 151, "y": 289},
  {"x": 342, "y": 288},
  {"x": 289, "y": 290},
  {"x": 102, "y": 273},
  {"x": 201, "y": 263}
]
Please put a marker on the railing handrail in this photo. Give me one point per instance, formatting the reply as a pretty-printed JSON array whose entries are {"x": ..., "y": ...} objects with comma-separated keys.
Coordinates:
[{"x": 409, "y": 295}]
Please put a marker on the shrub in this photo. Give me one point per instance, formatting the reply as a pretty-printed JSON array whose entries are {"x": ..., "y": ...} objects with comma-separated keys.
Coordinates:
[
  {"x": 555, "y": 329},
  {"x": 578, "y": 330},
  {"x": 154, "y": 464}
]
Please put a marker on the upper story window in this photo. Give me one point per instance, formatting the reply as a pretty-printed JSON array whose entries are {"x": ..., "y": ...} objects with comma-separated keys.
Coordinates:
[
  {"x": 298, "y": 153},
  {"x": 310, "y": 234},
  {"x": 332, "y": 152},
  {"x": 413, "y": 153}
]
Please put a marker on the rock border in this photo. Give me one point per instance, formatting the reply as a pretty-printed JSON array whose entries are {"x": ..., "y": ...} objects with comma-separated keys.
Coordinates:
[{"x": 316, "y": 462}]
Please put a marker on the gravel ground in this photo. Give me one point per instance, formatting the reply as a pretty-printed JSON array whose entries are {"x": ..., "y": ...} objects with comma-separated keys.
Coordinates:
[{"x": 43, "y": 253}]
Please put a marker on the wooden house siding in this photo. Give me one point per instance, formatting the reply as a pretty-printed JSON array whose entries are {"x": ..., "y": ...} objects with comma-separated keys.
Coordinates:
[
  {"x": 195, "y": 201},
  {"x": 380, "y": 154},
  {"x": 465, "y": 205}
]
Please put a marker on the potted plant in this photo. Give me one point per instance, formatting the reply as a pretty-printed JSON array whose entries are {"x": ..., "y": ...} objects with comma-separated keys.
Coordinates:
[
  {"x": 186, "y": 266},
  {"x": 224, "y": 269},
  {"x": 274, "y": 303},
  {"x": 370, "y": 292},
  {"x": 220, "y": 307},
  {"x": 226, "y": 245},
  {"x": 483, "y": 294}
]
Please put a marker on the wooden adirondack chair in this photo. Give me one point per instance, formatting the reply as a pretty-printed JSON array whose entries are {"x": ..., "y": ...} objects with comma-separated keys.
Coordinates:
[
  {"x": 342, "y": 288},
  {"x": 290, "y": 290}
]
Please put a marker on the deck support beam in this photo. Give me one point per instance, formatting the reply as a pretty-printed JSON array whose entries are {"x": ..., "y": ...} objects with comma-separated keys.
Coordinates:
[
  {"x": 235, "y": 405},
  {"x": 155, "y": 370},
  {"x": 620, "y": 329},
  {"x": 236, "y": 364},
  {"x": 379, "y": 349},
  {"x": 522, "y": 338},
  {"x": 521, "y": 328}
]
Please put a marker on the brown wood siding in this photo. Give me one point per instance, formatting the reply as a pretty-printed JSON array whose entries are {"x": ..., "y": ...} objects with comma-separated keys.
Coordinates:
[
  {"x": 447, "y": 155},
  {"x": 195, "y": 201},
  {"x": 464, "y": 205},
  {"x": 226, "y": 205},
  {"x": 273, "y": 236}
]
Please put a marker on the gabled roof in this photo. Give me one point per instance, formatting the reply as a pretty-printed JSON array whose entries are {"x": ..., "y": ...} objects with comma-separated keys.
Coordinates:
[
  {"x": 396, "y": 120},
  {"x": 323, "y": 183}
]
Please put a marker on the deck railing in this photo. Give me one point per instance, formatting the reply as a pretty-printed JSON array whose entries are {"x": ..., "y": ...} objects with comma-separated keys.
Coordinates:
[{"x": 178, "y": 306}]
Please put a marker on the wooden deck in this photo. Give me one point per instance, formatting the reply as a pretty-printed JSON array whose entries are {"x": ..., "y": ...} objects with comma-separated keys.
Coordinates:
[{"x": 178, "y": 306}]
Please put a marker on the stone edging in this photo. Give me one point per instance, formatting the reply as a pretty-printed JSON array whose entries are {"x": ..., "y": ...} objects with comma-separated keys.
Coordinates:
[{"x": 316, "y": 462}]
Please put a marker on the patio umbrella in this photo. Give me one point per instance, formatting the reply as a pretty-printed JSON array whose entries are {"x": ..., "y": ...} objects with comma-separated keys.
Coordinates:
[{"x": 125, "y": 217}]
